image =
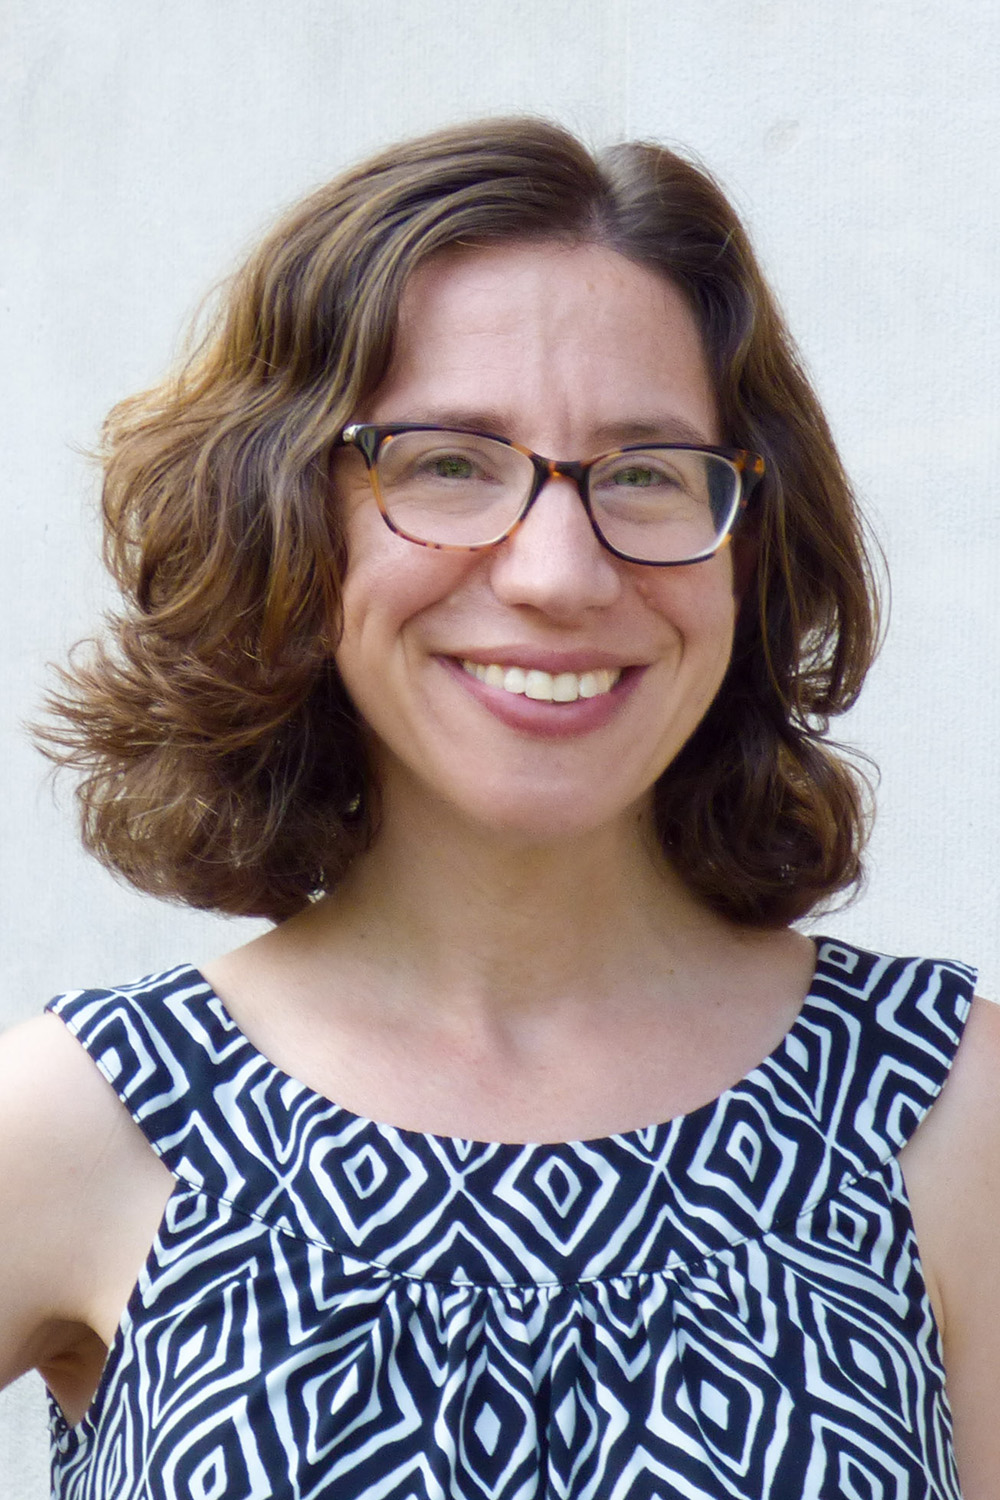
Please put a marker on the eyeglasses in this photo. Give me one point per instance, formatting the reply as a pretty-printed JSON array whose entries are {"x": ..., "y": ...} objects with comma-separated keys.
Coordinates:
[{"x": 657, "y": 503}]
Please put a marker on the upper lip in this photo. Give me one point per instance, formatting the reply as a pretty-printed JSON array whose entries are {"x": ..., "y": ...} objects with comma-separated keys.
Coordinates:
[{"x": 542, "y": 659}]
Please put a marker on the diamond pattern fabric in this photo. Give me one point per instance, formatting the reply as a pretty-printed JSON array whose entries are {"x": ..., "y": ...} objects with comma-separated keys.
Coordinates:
[{"x": 726, "y": 1306}]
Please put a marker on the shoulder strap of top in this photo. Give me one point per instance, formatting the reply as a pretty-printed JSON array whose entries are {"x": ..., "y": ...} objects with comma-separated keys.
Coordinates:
[
  {"x": 892, "y": 1026},
  {"x": 167, "y": 1047}
]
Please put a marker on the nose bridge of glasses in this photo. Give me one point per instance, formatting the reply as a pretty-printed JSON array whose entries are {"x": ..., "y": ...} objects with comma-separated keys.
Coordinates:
[
  {"x": 570, "y": 471},
  {"x": 548, "y": 469}
]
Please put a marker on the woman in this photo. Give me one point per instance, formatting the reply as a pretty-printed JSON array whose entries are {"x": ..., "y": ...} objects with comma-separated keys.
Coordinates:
[{"x": 523, "y": 755}]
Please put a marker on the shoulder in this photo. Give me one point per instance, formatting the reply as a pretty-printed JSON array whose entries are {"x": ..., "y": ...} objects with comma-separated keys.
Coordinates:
[
  {"x": 74, "y": 1173},
  {"x": 952, "y": 1171},
  {"x": 955, "y": 1154},
  {"x": 66, "y": 1143},
  {"x": 51, "y": 1095}
]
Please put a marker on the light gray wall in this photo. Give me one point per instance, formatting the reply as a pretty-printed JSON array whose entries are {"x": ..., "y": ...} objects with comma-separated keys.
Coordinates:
[{"x": 144, "y": 145}]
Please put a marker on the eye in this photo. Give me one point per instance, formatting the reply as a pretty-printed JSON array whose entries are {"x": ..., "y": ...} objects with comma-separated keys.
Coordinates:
[
  {"x": 424, "y": 458},
  {"x": 449, "y": 466},
  {"x": 642, "y": 471},
  {"x": 638, "y": 476}
]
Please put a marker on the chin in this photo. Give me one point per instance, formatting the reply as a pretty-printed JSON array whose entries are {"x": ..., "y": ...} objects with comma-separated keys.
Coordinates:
[{"x": 550, "y": 818}]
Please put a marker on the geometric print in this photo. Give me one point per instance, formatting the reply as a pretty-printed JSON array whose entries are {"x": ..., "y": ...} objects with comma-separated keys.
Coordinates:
[{"x": 726, "y": 1306}]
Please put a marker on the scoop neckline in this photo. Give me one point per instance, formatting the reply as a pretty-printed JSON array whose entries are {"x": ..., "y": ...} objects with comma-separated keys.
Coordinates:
[{"x": 465, "y": 1145}]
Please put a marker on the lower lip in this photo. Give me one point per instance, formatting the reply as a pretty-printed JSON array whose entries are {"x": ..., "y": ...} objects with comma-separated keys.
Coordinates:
[{"x": 542, "y": 719}]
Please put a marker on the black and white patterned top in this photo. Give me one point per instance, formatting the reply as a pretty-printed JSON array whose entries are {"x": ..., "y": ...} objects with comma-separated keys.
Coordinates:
[{"x": 726, "y": 1305}]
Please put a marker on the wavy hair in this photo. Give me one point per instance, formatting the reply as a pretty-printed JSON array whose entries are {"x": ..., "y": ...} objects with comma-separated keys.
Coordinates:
[{"x": 222, "y": 761}]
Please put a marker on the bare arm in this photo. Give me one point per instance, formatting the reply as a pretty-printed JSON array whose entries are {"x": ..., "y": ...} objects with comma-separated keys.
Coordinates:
[
  {"x": 952, "y": 1170},
  {"x": 81, "y": 1194}
]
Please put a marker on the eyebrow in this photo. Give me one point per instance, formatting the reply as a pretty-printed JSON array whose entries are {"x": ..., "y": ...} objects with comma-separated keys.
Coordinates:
[
  {"x": 663, "y": 430},
  {"x": 666, "y": 429}
]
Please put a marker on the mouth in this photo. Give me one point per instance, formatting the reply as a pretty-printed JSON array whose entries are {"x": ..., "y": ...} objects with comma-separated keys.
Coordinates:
[{"x": 544, "y": 687}]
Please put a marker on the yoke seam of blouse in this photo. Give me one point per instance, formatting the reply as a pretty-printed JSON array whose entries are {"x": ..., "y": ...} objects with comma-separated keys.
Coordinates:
[{"x": 775, "y": 1230}]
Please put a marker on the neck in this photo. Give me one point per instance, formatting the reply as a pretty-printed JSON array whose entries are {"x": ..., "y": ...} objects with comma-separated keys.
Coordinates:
[
  {"x": 466, "y": 984},
  {"x": 467, "y": 918}
]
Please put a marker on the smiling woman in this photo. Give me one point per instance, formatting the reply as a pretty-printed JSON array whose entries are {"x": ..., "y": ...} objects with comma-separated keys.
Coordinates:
[
  {"x": 490, "y": 579},
  {"x": 221, "y": 532}
]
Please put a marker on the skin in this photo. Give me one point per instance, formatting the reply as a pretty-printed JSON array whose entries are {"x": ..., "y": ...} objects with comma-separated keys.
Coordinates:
[{"x": 513, "y": 959}]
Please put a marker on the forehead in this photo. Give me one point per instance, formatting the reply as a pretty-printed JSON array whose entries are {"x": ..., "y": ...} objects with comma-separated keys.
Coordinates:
[{"x": 573, "y": 336}]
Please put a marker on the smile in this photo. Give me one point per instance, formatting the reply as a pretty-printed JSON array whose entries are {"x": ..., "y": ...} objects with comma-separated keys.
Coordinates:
[{"x": 544, "y": 687}]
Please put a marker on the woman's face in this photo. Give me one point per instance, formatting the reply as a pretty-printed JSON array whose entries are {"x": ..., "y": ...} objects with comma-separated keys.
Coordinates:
[{"x": 570, "y": 350}]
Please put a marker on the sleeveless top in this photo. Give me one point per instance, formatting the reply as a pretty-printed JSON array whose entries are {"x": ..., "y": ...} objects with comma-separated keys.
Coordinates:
[{"x": 730, "y": 1304}]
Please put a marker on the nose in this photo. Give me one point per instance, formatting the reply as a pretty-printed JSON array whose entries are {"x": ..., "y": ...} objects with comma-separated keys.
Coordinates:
[{"x": 553, "y": 562}]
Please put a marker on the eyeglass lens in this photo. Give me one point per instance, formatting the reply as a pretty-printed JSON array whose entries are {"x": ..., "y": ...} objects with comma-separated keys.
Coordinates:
[{"x": 651, "y": 504}]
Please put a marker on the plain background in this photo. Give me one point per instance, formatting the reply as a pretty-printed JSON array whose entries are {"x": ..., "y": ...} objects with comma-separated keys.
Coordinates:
[{"x": 145, "y": 146}]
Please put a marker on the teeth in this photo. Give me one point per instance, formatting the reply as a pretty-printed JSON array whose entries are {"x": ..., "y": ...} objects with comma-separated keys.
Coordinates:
[{"x": 564, "y": 687}]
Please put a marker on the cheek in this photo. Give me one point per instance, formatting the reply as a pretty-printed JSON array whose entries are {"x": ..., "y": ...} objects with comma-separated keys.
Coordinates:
[
  {"x": 388, "y": 584},
  {"x": 699, "y": 601}
]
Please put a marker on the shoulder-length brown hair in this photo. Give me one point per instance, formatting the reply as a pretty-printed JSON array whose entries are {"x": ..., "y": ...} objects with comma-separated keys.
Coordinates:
[{"x": 222, "y": 760}]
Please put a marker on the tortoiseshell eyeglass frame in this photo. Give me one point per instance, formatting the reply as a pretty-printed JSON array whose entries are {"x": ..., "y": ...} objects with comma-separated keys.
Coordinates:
[{"x": 369, "y": 438}]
